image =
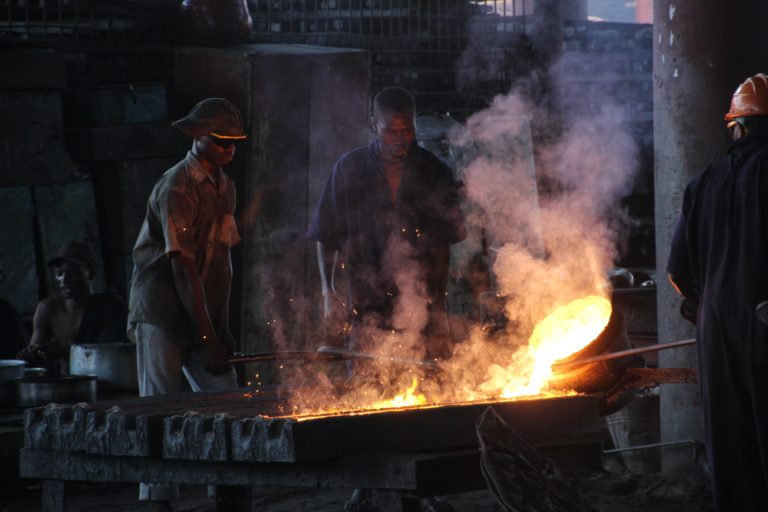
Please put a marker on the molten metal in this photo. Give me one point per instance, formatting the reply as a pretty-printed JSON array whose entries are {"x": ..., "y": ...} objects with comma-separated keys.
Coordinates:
[{"x": 565, "y": 331}]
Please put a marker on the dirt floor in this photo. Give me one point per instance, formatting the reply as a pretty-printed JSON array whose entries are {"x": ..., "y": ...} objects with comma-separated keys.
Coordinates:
[{"x": 607, "y": 491}]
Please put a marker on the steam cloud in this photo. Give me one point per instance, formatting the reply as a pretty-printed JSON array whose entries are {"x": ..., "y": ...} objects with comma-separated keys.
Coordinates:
[{"x": 547, "y": 248}]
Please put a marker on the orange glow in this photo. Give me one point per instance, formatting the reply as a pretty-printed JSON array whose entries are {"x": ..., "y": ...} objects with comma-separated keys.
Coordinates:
[
  {"x": 563, "y": 332},
  {"x": 482, "y": 372},
  {"x": 407, "y": 399}
]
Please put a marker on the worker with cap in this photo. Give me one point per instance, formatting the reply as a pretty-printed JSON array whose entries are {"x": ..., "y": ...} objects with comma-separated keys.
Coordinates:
[
  {"x": 78, "y": 315},
  {"x": 179, "y": 299},
  {"x": 717, "y": 262}
]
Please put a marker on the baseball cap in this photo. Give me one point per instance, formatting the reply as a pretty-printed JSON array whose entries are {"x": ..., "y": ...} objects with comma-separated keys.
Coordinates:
[
  {"x": 212, "y": 115},
  {"x": 75, "y": 252}
]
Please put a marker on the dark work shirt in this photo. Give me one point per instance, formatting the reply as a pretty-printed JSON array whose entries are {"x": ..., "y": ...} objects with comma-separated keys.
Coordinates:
[
  {"x": 190, "y": 212},
  {"x": 356, "y": 209},
  {"x": 720, "y": 247}
]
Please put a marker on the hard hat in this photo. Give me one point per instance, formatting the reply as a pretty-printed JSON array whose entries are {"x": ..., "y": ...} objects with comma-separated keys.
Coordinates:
[
  {"x": 750, "y": 98},
  {"x": 212, "y": 115}
]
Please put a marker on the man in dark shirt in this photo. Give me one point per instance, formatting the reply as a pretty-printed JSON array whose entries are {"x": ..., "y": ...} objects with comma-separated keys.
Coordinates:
[
  {"x": 78, "y": 315},
  {"x": 717, "y": 262},
  {"x": 395, "y": 207}
]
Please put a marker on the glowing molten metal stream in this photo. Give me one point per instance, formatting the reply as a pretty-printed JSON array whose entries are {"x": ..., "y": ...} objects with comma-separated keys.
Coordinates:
[{"x": 563, "y": 332}]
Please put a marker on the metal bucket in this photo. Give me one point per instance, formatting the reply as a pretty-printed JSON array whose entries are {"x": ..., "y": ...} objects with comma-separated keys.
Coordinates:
[
  {"x": 35, "y": 391},
  {"x": 603, "y": 375},
  {"x": 10, "y": 370},
  {"x": 113, "y": 363}
]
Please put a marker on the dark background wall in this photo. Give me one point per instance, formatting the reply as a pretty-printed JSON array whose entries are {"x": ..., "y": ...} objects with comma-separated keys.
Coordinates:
[{"x": 88, "y": 90}]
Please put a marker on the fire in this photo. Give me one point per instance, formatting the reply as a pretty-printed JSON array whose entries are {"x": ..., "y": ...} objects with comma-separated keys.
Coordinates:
[
  {"x": 407, "y": 399},
  {"x": 525, "y": 372},
  {"x": 563, "y": 332}
]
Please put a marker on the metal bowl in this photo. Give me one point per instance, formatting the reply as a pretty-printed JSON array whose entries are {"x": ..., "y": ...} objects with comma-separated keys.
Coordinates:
[
  {"x": 603, "y": 375},
  {"x": 113, "y": 363},
  {"x": 35, "y": 372},
  {"x": 35, "y": 391}
]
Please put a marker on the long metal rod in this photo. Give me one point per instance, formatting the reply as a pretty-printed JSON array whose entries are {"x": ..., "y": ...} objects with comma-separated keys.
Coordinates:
[
  {"x": 625, "y": 353},
  {"x": 351, "y": 354},
  {"x": 241, "y": 357},
  {"x": 666, "y": 444},
  {"x": 324, "y": 354}
]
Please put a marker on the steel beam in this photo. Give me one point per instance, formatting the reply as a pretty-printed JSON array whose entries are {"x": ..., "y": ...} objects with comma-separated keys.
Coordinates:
[{"x": 542, "y": 422}]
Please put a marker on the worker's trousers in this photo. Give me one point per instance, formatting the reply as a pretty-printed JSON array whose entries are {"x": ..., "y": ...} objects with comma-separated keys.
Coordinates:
[{"x": 161, "y": 363}]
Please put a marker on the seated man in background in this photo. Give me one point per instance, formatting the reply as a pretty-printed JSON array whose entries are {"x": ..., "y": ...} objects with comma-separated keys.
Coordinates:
[{"x": 78, "y": 315}]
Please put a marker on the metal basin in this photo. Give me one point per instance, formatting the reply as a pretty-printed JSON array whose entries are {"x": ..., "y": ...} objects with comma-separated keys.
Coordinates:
[
  {"x": 603, "y": 375},
  {"x": 114, "y": 364},
  {"x": 10, "y": 370},
  {"x": 35, "y": 391}
]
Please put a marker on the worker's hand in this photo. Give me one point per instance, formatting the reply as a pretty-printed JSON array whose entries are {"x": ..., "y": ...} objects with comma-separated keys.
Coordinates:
[
  {"x": 48, "y": 351},
  {"x": 29, "y": 353},
  {"x": 216, "y": 358}
]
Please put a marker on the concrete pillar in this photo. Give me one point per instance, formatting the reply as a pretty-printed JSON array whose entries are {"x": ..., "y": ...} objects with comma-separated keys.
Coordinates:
[{"x": 702, "y": 51}]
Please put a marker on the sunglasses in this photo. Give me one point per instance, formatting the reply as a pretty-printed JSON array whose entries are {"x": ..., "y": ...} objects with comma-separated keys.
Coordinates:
[{"x": 224, "y": 141}]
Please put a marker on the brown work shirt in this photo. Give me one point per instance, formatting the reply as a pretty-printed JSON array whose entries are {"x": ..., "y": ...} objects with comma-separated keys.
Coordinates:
[{"x": 189, "y": 212}]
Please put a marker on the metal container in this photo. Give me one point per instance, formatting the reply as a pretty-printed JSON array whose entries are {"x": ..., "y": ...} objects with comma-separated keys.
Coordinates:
[
  {"x": 35, "y": 372},
  {"x": 10, "y": 370},
  {"x": 35, "y": 391},
  {"x": 113, "y": 363},
  {"x": 603, "y": 375}
]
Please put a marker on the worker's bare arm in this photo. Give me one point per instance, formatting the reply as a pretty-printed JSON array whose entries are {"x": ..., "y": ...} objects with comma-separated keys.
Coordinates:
[{"x": 190, "y": 289}]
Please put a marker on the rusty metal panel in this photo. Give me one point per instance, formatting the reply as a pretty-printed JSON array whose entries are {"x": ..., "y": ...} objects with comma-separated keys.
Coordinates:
[
  {"x": 30, "y": 69},
  {"x": 137, "y": 178},
  {"x": 68, "y": 212},
  {"x": 32, "y": 140},
  {"x": 108, "y": 143},
  {"x": 18, "y": 271},
  {"x": 542, "y": 422}
]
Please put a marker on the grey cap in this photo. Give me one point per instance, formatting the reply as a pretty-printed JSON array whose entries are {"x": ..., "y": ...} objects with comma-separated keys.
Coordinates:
[{"x": 212, "y": 115}]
